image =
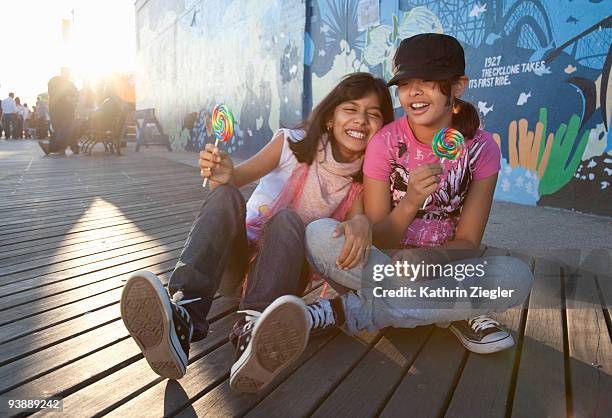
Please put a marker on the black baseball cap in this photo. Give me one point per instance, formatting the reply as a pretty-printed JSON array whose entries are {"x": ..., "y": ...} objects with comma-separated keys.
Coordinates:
[{"x": 430, "y": 56}]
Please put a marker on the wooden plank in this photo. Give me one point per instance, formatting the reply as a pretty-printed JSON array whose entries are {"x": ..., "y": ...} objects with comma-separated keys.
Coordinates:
[
  {"x": 20, "y": 372},
  {"x": 223, "y": 401},
  {"x": 97, "y": 206},
  {"x": 109, "y": 392},
  {"x": 332, "y": 362},
  {"x": 172, "y": 395},
  {"x": 92, "y": 213},
  {"x": 89, "y": 255},
  {"x": 540, "y": 386},
  {"x": 31, "y": 343},
  {"x": 67, "y": 265},
  {"x": 102, "y": 234},
  {"x": 590, "y": 349},
  {"x": 490, "y": 376},
  {"x": 48, "y": 302},
  {"x": 71, "y": 308},
  {"x": 82, "y": 219},
  {"x": 93, "y": 246},
  {"x": 42, "y": 196},
  {"x": 430, "y": 380},
  {"x": 20, "y": 282},
  {"x": 92, "y": 226},
  {"x": 382, "y": 368}
]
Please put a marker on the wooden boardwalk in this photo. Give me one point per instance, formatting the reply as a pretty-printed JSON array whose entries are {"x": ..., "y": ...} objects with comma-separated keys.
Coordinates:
[{"x": 72, "y": 228}]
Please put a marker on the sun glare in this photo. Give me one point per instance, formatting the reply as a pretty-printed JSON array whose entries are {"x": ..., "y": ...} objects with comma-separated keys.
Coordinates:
[{"x": 94, "y": 38}]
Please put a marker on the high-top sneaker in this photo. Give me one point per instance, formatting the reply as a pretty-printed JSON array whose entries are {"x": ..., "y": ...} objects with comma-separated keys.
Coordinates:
[
  {"x": 161, "y": 327},
  {"x": 321, "y": 317},
  {"x": 482, "y": 335},
  {"x": 268, "y": 342}
]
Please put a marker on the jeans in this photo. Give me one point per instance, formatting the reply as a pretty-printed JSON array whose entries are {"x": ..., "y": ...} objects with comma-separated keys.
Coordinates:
[
  {"x": 9, "y": 124},
  {"x": 216, "y": 257},
  {"x": 366, "y": 308},
  {"x": 65, "y": 130}
]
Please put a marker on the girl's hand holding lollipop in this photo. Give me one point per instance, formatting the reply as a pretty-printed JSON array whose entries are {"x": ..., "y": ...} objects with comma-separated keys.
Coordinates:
[
  {"x": 447, "y": 143},
  {"x": 214, "y": 163}
]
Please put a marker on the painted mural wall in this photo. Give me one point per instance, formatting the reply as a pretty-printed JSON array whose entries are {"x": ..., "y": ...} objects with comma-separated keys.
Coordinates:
[
  {"x": 539, "y": 73},
  {"x": 247, "y": 54}
]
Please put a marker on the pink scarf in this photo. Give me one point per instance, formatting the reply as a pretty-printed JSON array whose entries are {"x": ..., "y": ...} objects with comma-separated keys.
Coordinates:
[{"x": 320, "y": 190}]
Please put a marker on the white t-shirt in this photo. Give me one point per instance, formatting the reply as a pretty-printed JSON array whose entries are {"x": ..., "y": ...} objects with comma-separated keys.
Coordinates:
[
  {"x": 9, "y": 106},
  {"x": 271, "y": 184}
]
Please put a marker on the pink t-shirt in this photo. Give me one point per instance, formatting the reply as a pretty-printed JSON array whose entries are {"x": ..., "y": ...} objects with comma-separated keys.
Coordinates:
[{"x": 394, "y": 152}]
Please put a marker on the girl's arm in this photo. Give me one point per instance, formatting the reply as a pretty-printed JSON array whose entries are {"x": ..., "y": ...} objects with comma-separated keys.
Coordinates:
[
  {"x": 266, "y": 160},
  {"x": 218, "y": 165},
  {"x": 357, "y": 231}
]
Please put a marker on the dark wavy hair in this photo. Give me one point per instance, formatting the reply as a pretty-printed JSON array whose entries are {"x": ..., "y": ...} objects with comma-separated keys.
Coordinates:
[
  {"x": 465, "y": 115},
  {"x": 352, "y": 87}
]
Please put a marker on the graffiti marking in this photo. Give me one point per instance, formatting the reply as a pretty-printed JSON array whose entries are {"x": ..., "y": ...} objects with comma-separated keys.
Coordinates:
[
  {"x": 482, "y": 106},
  {"x": 570, "y": 69},
  {"x": 540, "y": 71},
  {"x": 523, "y": 97},
  {"x": 478, "y": 9}
]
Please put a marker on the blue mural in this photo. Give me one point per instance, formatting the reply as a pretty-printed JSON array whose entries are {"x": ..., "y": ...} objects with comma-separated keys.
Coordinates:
[{"x": 539, "y": 75}]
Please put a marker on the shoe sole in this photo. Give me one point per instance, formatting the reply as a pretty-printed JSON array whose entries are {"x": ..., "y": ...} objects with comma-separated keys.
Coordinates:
[
  {"x": 147, "y": 314},
  {"x": 484, "y": 348},
  {"x": 278, "y": 339}
]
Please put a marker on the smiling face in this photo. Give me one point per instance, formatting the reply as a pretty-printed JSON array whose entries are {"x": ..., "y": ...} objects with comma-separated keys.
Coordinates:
[
  {"x": 428, "y": 109},
  {"x": 354, "y": 123}
]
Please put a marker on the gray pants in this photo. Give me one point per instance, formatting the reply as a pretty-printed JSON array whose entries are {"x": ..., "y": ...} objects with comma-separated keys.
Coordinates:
[{"x": 397, "y": 301}]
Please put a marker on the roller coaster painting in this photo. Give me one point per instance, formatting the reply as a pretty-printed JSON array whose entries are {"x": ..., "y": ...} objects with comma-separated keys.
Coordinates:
[{"x": 550, "y": 113}]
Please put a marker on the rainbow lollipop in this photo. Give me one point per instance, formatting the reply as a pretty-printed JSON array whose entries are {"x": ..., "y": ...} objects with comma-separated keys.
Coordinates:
[
  {"x": 223, "y": 127},
  {"x": 447, "y": 143}
]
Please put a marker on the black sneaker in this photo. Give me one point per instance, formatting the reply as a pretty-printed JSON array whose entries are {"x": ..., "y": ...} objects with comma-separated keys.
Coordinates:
[
  {"x": 482, "y": 335},
  {"x": 268, "y": 342},
  {"x": 161, "y": 327},
  {"x": 321, "y": 318}
]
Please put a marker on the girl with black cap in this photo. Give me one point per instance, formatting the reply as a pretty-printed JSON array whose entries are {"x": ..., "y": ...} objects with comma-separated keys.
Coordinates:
[{"x": 425, "y": 213}]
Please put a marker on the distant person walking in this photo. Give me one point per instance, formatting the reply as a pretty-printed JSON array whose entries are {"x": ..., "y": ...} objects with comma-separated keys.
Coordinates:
[
  {"x": 9, "y": 116},
  {"x": 42, "y": 119},
  {"x": 20, "y": 116},
  {"x": 63, "y": 97}
]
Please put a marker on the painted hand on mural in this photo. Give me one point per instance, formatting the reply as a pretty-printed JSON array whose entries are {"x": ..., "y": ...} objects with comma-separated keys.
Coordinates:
[
  {"x": 550, "y": 160},
  {"x": 526, "y": 148},
  {"x": 560, "y": 167}
]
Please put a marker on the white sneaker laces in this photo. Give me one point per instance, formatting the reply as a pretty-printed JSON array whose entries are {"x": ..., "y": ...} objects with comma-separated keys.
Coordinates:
[
  {"x": 482, "y": 322},
  {"x": 321, "y": 314},
  {"x": 178, "y": 301},
  {"x": 250, "y": 317}
]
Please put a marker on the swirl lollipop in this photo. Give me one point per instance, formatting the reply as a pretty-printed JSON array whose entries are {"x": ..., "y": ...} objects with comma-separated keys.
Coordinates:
[
  {"x": 223, "y": 127},
  {"x": 447, "y": 143}
]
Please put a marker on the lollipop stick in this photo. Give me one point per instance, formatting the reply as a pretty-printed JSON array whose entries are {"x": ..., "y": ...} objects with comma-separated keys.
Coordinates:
[{"x": 206, "y": 179}]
